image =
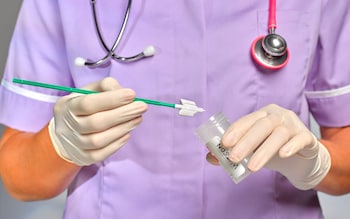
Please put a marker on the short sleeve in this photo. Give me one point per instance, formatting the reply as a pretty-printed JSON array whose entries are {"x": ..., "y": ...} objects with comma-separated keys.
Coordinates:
[
  {"x": 37, "y": 52},
  {"x": 328, "y": 85}
]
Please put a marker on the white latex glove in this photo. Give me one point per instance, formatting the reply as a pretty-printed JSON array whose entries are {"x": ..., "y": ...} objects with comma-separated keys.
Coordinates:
[
  {"x": 88, "y": 128},
  {"x": 276, "y": 138}
]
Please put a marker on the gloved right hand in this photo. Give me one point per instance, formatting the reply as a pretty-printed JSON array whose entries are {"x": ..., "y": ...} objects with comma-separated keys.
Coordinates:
[{"x": 86, "y": 129}]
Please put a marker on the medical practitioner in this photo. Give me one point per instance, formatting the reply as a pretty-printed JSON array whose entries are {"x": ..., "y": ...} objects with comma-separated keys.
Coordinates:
[{"x": 121, "y": 158}]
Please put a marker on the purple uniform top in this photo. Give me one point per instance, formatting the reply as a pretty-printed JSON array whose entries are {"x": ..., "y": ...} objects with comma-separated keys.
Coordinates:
[{"x": 203, "y": 54}]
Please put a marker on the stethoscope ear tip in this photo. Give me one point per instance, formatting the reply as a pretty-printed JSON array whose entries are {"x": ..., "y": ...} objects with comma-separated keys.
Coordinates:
[
  {"x": 149, "y": 51},
  {"x": 79, "y": 62}
]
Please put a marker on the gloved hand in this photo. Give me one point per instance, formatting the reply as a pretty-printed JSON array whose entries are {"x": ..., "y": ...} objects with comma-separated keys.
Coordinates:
[
  {"x": 276, "y": 138},
  {"x": 87, "y": 129}
]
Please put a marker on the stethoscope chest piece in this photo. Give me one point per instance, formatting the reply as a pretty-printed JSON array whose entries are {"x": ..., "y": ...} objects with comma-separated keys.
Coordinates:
[{"x": 270, "y": 51}]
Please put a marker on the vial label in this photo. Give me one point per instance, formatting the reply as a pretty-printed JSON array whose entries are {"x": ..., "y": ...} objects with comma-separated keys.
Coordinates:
[{"x": 235, "y": 170}]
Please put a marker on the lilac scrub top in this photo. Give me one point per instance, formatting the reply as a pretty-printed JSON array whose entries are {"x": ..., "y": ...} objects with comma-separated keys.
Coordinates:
[{"x": 203, "y": 54}]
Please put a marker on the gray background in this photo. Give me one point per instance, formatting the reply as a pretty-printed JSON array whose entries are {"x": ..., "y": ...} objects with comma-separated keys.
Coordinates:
[{"x": 334, "y": 207}]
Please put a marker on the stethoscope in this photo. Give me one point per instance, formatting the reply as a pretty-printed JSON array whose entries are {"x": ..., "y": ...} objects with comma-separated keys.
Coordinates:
[
  {"x": 147, "y": 52},
  {"x": 268, "y": 51}
]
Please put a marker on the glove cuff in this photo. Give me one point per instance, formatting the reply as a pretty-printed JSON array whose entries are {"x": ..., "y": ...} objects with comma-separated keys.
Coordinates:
[
  {"x": 60, "y": 150},
  {"x": 320, "y": 170}
]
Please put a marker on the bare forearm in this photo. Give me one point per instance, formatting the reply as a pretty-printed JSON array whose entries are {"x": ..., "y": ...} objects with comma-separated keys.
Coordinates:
[
  {"x": 30, "y": 168},
  {"x": 337, "y": 141}
]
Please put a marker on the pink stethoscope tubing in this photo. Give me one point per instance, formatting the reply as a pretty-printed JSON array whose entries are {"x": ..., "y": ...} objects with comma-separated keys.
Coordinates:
[{"x": 270, "y": 51}]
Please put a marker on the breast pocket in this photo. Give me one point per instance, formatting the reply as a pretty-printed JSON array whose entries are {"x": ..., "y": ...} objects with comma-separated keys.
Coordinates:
[{"x": 285, "y": 86}]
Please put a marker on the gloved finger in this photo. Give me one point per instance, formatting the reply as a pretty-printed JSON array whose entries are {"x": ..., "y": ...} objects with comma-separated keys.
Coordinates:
[
  {"x": 87, "y": 157},
  {"x": 106, "y": 119},
  {"x": 238, "y": 129},
  {"x": 92, "y": 103},
  {"x": 104, "y": 138},
  {"x": 212, "y": 159},
  {"x": 268, "y": 149},
  {"x": 304, "y": 143},
  {"x": 106, "y": 84},
  {"x": 254, "y": 137},
  {"x": 102, "y": 153}
]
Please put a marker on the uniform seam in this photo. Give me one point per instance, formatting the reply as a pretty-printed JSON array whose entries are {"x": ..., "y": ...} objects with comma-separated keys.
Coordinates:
[
  {"x": 275, "y": 203},
  {"x": 101, "y": 193}
]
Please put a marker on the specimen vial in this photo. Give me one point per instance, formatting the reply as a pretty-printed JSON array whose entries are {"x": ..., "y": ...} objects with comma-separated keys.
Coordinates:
[{"x": 210, "y": 133}]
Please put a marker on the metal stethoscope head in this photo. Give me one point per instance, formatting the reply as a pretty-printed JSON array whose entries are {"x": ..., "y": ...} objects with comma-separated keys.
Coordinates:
[
  {"x": 270, "y": 51},
  {"x": 147, "y": 52}
]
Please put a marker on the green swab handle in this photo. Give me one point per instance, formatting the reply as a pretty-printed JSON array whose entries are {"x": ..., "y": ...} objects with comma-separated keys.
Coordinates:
[{"x": 81, "y": 91}]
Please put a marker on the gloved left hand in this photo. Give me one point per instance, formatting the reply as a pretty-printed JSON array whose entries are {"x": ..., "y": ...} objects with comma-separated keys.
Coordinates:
[
  {"x": 87, "y": 129},
  {"x": 276, "y": 138}
]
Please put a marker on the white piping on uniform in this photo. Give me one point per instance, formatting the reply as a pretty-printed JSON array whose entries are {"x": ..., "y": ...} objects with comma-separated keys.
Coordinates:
[
  {"x": 28, "y": 93},
  {"x": 328, "y": 93}
]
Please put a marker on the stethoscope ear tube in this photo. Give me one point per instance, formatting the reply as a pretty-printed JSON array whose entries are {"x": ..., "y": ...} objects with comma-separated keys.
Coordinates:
[{"x": 147, "y": 52}]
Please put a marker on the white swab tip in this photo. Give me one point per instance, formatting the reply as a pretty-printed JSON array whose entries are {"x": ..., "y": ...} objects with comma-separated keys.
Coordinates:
[
  {"x": 79, "y": 61},
  {"x": 191, "y": 112},
  {"x": 188, "y": 108}
]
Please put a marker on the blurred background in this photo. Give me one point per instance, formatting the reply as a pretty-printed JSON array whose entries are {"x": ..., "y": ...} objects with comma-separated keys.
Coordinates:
[
  {"x": 10, "y": 208},
  {"x": 333, "y": 207}
]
